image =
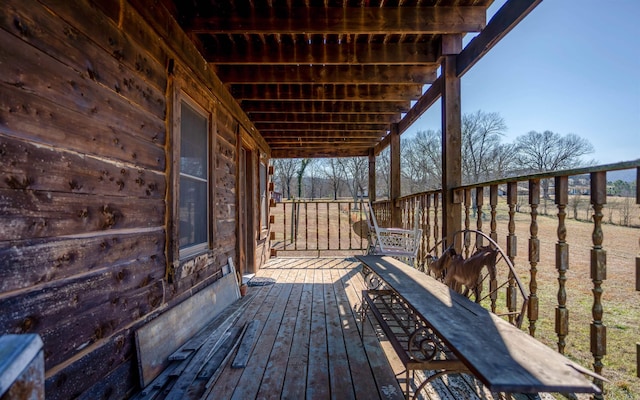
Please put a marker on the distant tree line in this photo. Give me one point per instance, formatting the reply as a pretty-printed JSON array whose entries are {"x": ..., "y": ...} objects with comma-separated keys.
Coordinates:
[{"x": 485, "y": 156}]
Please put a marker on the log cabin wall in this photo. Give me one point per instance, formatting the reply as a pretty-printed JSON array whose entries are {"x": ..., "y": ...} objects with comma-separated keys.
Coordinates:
[{"x": 87, "y": 222}]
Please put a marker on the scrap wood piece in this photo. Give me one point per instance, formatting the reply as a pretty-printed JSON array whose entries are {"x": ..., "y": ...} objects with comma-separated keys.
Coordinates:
[
  {"x": 179, "y": 389},
  {"x": 220, "y": 323},
  {"x": 248, "y": 341}
]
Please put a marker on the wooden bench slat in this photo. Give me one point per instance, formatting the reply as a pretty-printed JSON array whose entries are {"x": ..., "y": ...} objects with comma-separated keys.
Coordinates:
[{"x": 503, "y": 357}]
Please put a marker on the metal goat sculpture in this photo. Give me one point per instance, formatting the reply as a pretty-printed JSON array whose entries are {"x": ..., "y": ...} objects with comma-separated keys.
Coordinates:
[{"x": 457, "y": 271}]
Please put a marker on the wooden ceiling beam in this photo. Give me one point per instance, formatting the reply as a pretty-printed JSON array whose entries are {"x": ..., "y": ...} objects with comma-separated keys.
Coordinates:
[
  {"x": 298, "y": 127},
  {"x": 328, "y": 152},
  {"x": 391, "y": 107},
  {"x": 363, "y": 92},
  {"x": 324, "y": 118},
  {"x": 325, "y": 53},
  {"x": 337, "y": 20},
  {"x": 334, "y": 74},
  {"x": 330, "y": 134},
  {"x": 277, "y": 142}
]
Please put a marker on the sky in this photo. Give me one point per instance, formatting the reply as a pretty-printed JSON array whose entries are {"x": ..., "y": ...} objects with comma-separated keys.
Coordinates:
[{"x": 571, "y": 66}]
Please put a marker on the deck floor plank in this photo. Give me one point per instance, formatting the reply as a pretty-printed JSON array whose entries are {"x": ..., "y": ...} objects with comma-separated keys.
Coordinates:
[
  {"x": 273, "y": 379},
  {"x": 340, "y": 377},
  {"x": 309, "y": 342},
  {"x": 295, "y": 380},
  {"x": 318, "y": 365}
]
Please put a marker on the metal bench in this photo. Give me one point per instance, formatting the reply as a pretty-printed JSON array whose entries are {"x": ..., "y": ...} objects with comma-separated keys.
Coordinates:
[{"x": 432, "y": 327}]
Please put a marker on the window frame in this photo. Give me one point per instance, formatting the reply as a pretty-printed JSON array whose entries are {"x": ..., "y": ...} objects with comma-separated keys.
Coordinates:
[
  {"x": 206, "y": 106},
  {"x": 204, "y": 246}
]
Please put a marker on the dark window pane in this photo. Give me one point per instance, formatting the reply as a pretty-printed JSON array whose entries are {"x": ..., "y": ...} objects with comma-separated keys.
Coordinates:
[
  {"x": 193, "y": 212},
  {"x": 193, "y": 143}
]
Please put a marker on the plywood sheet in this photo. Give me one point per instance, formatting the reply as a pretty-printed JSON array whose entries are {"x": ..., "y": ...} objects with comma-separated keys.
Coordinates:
[{"x": 162, "y": 336}]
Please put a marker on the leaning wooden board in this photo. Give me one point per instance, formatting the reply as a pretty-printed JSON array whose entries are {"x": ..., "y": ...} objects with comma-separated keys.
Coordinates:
[
  {"x": 503, "y": 357},
  {"x": 161, "y": 337}
]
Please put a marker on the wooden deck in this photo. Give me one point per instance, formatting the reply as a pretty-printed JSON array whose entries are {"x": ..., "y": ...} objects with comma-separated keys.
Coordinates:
[{"x": 309, "y": 343}]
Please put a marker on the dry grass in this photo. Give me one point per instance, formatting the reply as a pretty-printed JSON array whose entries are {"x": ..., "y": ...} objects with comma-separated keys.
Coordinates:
[{"x": 620, "y": 300}]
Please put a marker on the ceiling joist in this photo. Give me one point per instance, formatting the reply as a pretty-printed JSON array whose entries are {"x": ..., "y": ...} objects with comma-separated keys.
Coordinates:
[
  {"x": 362, "y": 92},
  {"x": 336, "y": 20}
]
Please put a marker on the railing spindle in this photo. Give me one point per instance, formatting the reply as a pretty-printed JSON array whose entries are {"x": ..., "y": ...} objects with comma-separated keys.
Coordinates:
[
  {"x": 467, "y": 221},
  {"x": 512, "y": 248},
  {"x": 534, "y": 254},
  {"x": 479, "y": 203},
  {"x": 493, "y": 202},
  {"x": 427, "y": 229},
  {"x": 598, "y": 274},
  {"x": 339, "y": 226},
  {"x": 562, "y": 261},
  {"x": 284, "y": 223},
  {"x": 306, "y": 226},
  {"x": 318, "y": 226},
  {"x": 436, "y": 233},
  {"x": 328, "y": 227}
]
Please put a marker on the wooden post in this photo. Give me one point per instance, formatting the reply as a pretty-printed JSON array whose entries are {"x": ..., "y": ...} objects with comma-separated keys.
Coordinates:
[
  {"x": 562, "y": 261},
  {"x": 512, "y": 247},
  {"x": 372, "y": 176},
  {"x": 394, "y": 195},
  {"x": 451, "y": 147},
  {"x": 598, "y": 275},
  {"x": 534, "y": 254}
]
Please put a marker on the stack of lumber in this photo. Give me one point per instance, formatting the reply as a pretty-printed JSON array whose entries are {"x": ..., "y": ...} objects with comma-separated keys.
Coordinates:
[{"x": 197, "y": 364}]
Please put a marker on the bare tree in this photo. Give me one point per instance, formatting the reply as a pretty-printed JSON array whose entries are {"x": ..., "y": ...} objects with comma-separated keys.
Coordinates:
[
  {"x": 302, "y": 166},
  {"x": 383, "y": 166},
  {"x": 357, "y": 173},
  {"x": 549, "y": 151},
  {"x": 575, "y": 202},
  {"x": 284, "y": 171},
  {"x": 481, "y": 135},
  {"x": 334, "y": 173},
  {"x": 422, "y": 161}
]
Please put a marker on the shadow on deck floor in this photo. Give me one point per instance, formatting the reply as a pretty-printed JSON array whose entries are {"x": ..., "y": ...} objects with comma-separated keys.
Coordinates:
[{"x": 308, "y": 344}]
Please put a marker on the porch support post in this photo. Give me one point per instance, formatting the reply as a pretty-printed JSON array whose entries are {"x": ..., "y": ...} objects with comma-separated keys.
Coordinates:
[
  {"x": 372, "y": 176},
  {"x": 451, "y": 140},
  {"x": 394, "y": 193}
]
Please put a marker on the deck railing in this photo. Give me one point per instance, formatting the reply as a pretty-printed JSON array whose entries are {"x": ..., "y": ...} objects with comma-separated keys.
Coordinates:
[
  {"x": 303, "y": 227},
  {"x": 541, "y": 208}
]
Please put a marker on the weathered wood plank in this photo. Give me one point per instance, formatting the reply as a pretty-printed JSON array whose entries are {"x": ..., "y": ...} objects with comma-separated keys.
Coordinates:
[
  {"x": 260, "y": 358},
  {"x": 364, "y": 383},
  {"x": 31, "y": 263},
  {"x": 37, "y": 214},
  {"x": 159, "y": 338},
  {"x": 339, "y": 373},
  {"x": 246, "y": 345},
  {"x": 334, "y": 74},
  {"x": 318, "y": 385},
  {"x": 259, "y": 309},
  {"x": 193, "y": 379},
  {"x": 368, "y": 20},
  {"x": 519, "y": 363},
  {"x": 90, "y": 367},
  {"x": 386, "y": 381},
  {"x": 279, "y": 357},
  {"x": 26, "y": 165},
  {"x": 21, "y": 367},
  {"x": 75, "y": 313},
  {"x": 33, "y": 118},
  {"x": 296, "y": 372},
  {"x": 121, "y": 67}
]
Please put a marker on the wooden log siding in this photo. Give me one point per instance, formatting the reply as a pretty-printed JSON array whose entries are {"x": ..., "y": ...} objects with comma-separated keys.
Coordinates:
[{"x": 83, "y": 184}]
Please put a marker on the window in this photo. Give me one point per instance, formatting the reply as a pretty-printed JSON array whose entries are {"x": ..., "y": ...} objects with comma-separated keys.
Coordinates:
[{"x": 194, "y": 181}]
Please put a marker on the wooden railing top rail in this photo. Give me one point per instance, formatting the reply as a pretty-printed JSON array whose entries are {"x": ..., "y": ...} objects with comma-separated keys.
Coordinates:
[{"x": 542, "y": 175}]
